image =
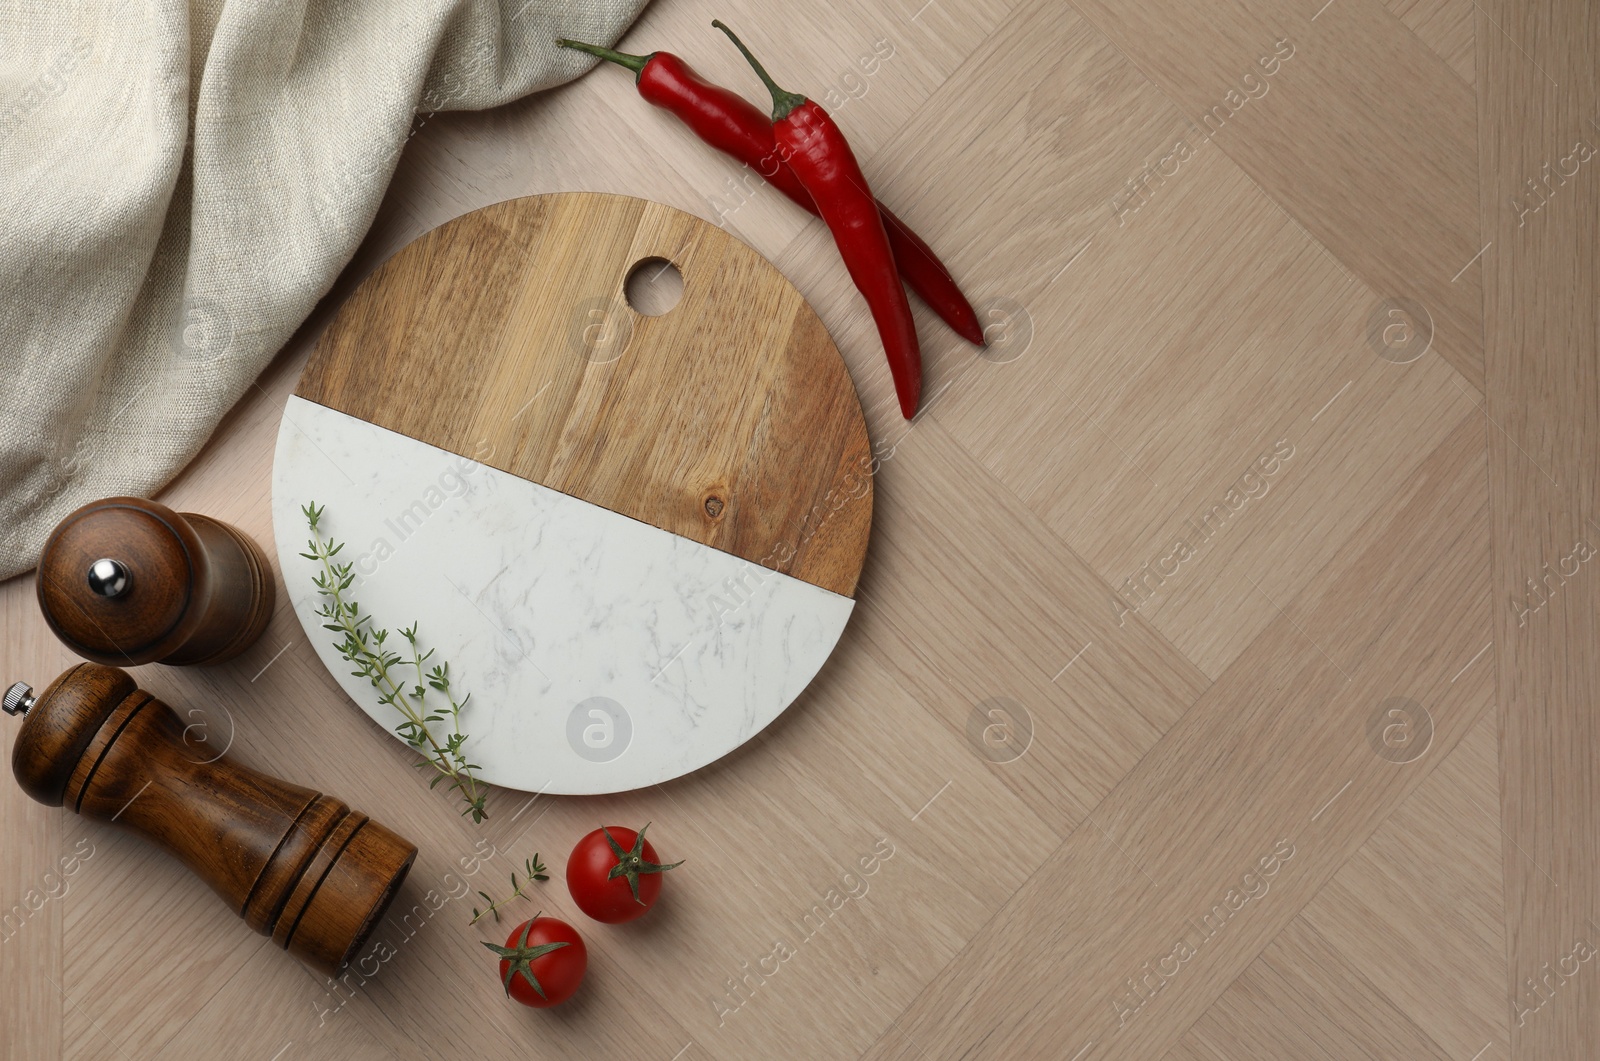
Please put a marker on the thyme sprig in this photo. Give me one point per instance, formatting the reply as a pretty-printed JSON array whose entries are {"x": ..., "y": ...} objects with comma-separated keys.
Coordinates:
[
  {"x": 535, "y": 870},
  {"x": 365, "y": 645}
]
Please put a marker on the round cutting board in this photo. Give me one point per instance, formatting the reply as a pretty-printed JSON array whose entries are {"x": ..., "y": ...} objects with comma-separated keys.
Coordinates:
[{"x": 634, "y": 538}]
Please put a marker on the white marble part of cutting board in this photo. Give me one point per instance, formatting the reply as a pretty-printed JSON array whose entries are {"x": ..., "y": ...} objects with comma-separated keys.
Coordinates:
[{"x": 602, "y": 654}]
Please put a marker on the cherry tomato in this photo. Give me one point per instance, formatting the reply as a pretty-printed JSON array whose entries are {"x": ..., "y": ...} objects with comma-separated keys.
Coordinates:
[
  {"x": 613, "y": 874},
  {"x": 543, "y": 962}
]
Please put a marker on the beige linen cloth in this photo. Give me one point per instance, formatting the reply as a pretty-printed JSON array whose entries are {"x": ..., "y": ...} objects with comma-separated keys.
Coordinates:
[{"x": 182, "y": 180}]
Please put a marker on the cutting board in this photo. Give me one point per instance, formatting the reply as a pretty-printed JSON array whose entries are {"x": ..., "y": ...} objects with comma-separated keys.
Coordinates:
[{"x": 634, "y": 536}]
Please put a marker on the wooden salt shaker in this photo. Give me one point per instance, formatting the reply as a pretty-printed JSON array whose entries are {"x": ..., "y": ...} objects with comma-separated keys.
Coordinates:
[
  {"x": 297, "y": 865},
  {"x": 125, "y": 581}
]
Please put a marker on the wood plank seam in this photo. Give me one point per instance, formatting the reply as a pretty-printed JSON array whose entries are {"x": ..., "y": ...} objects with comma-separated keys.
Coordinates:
[
  {"x": 1376, "y": 522},
  {"x": 1430, "y": 46},
  {"x": 1468, "y": 363},
  {"x": 1300, "y": 919}
]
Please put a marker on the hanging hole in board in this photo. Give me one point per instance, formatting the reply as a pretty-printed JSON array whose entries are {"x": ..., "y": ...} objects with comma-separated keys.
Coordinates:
[{"x": 653, "y": 287}]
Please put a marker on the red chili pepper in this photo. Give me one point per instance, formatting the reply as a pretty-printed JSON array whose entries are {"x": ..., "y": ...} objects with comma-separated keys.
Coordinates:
[
  {"x": 728, "y": 122},
  {"x": 820, "y": 156}
]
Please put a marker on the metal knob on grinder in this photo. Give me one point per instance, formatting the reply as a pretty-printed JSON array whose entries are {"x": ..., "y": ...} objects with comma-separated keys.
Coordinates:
[
  {"x": 297, "y": 865},
  {"x": 125, "y": 581},
  {"x": 19, "y": 698}
]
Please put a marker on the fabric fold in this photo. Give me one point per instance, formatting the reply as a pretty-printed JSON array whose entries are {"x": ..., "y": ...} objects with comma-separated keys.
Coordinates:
[{"x": 184, "y": 181}]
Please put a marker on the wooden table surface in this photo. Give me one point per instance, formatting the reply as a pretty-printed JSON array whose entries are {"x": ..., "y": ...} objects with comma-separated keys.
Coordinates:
[{"x": 1264, "y": 529}]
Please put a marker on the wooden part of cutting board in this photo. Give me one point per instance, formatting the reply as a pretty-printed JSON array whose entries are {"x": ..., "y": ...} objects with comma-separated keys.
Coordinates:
[{"x": 505, "y": 335}]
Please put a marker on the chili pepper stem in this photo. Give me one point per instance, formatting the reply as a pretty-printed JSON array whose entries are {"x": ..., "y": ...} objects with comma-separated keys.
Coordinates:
[
  {"x": 783, "y": 102},
  {"x": 635, "y": 63}
]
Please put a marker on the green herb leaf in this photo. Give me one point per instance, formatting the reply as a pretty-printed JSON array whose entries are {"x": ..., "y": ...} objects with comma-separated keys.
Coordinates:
[{"x": 376, "y": 663}]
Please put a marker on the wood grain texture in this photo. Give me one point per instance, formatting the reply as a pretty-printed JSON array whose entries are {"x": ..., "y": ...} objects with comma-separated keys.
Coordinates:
[
  {"x": 1185, "y": 406},
  {"x": 1419, "y": 912},
  {"x": 32, "y": 957},
  {"x": 506, "y": 336},
  {"x": 295, "y": 864},
  {"x": 1365, "y": 136},
  {"x": 1196, "y": 867},
  {"x": 1147, "y": 349},
  {"x": 1304, "y": 1000},
  {"x": 199, "y": 591},
  {"x": 1538, "y": 101},
  {"x": 1447, "y": 27},
  {"x": 1096, "y": 692},
  {"x": 248, "y": 1026}
]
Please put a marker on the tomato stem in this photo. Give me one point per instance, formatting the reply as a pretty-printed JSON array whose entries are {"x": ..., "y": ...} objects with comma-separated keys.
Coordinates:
[
  {"x": 520, "y": 958},
  {"x": 632, "y": 863}
]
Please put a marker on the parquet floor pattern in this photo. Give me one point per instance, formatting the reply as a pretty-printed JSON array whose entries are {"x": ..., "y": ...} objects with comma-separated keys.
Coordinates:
[{"x": 1263, "y": 526}]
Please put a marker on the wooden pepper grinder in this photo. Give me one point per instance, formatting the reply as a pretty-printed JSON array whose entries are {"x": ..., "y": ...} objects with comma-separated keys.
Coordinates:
[
  {"x": 125, "y": 581},
  {"x": 295, "y": 864}
]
